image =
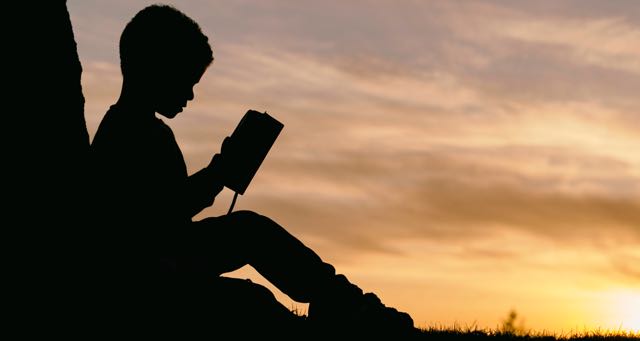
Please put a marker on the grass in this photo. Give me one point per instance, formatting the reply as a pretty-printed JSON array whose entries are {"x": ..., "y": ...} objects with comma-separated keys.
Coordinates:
[
  {"x": 473, "y": 333},
  {"x": 512, "y": 328}
]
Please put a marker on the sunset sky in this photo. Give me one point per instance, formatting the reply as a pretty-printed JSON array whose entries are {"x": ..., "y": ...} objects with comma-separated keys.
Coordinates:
[{"x": 459, "y": 158}]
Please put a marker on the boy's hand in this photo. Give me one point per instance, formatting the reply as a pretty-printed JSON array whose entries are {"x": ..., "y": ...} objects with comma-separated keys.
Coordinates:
[
  {"x": 218, "y": 165},
  {"x": 227, "y": 146},
  {"x": 217, "y": 168}
]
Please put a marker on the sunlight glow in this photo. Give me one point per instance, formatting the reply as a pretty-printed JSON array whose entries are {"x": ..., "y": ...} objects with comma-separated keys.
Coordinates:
[{"x": 627, "y": 310}]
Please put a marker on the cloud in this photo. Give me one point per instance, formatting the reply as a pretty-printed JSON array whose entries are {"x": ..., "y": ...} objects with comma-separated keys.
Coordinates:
[
  {"x": 371, "y": 204},
  {"x": 609, "y": 43}
]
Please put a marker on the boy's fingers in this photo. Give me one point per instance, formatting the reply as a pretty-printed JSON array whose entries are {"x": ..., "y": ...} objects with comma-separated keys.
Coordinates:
[
  {"x": 225, "y": 144},
  {"x": 216, "y": 161}
]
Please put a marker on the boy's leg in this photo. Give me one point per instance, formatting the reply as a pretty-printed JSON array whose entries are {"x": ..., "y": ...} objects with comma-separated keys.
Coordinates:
[
  {"x": 227, "y": 243},
  {"x": 232, "y": 241}
]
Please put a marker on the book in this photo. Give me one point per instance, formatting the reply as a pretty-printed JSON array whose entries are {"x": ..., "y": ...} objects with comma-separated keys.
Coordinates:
[{"x": 250, "y": 142}]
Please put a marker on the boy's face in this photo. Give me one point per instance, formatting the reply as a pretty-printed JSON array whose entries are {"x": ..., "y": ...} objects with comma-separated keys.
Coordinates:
[{"x": 172, "y": 91}]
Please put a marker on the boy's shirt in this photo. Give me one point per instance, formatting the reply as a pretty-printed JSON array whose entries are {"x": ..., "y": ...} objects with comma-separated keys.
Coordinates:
[{"x": 141, "y": 177}]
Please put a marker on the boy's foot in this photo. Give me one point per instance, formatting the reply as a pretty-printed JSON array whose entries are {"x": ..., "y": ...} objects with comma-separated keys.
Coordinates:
[{"x": 345, "y": 307}]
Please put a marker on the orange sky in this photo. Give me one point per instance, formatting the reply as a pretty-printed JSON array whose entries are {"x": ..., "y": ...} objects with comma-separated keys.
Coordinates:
[{"x": 460, "y": 159}]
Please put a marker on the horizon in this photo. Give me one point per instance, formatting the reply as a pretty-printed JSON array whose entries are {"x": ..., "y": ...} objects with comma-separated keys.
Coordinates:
[{"x": 459, "y": 159}]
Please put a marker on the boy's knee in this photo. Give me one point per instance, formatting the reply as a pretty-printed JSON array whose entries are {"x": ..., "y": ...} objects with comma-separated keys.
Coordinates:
[
  {"x": 251, "y": 224},
  {"x": 249, "y": 219}
]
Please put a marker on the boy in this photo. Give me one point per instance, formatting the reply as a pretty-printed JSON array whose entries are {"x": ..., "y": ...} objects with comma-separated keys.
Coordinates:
[{"x": 146, "y": 193}]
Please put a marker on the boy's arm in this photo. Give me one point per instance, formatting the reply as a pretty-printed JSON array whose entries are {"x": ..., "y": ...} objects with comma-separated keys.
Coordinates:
[{"x": 204, "y": 186}]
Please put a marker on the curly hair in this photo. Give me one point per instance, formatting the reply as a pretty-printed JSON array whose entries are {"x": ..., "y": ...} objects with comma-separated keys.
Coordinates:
[{"x": 161, "y": 35}]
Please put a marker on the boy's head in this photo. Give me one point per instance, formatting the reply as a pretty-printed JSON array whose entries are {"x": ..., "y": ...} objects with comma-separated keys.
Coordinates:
[{"x": 163, "y": 54}]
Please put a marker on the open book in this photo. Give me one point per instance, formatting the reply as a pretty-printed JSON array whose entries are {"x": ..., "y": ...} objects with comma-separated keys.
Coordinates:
[{"x": 251, "y": 141}]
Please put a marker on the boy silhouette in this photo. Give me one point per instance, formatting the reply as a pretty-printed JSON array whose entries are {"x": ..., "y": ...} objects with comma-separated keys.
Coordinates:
[{"x": 146, "y": 199}]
